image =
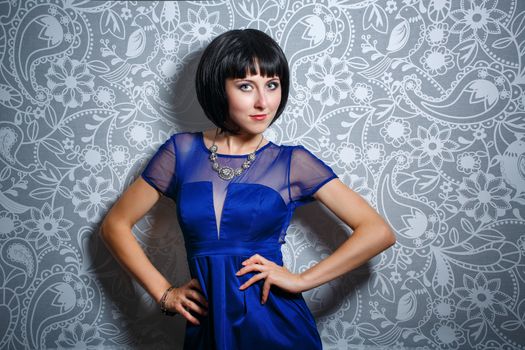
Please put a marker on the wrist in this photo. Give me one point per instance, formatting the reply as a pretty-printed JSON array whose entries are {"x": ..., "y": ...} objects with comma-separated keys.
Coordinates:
[
  {"x": 304, "y": 284},
  {"x": 160, "y": 292}
]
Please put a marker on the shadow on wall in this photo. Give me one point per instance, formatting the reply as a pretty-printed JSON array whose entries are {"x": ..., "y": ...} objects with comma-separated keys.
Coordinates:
[
  {"x": 320, "y": 234},
  {"x": 159, "y": 235}
]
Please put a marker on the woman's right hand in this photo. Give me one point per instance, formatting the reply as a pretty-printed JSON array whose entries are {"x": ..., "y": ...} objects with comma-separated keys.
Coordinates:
[{"x": 183, "y": 300}]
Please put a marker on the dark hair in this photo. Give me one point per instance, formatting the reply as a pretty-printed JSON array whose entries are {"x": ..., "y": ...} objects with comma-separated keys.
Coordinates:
[{"x": 231, "y": 55}]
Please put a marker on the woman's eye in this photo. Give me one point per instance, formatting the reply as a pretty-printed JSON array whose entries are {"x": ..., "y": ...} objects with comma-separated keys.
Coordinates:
[{"x": 275, "y": 84}]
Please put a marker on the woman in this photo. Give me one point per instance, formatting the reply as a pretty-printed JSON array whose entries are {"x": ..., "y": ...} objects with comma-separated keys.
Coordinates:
[{"x": 235, "y": 193}]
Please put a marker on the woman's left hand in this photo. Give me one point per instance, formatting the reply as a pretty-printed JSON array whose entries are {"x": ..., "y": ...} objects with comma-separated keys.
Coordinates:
[{"x": 274, "y": 274}]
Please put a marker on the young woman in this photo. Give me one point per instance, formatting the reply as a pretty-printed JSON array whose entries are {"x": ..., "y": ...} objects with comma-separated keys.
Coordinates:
[{"x": 235, "y": 194}]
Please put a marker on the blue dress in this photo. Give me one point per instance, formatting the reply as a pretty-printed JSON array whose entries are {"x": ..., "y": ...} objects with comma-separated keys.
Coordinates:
[{"x": 224, "y": 222}]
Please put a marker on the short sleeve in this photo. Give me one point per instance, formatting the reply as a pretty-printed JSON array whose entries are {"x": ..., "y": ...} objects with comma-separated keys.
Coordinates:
[
  {"x": 307, "y": 174},
  {"x": 160, "y": 170}
]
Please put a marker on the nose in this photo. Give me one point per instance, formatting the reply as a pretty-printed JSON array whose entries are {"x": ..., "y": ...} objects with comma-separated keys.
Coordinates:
[{"x": 261, "y": 100}]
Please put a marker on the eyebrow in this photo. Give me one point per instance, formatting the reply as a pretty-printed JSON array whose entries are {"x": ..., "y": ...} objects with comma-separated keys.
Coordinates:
[{"x": 253, "y": 81}]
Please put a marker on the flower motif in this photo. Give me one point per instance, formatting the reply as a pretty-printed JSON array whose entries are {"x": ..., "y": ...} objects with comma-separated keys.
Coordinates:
[
  {"x": 150, "y": 89},
  {"x": 324, "y": 141},
  {"x": 119, "y": 155},
  {"x": 104, "y": 97},
  {"x": 168, "y": 68},
  {"x": 395, "y": 131},
  {"x": 128, "y": 83},
  {"x": 391, "y": 6},
  {"x": 90, "y": 196},
  {"x": 387, "y": 78},
  {"x": 139, "y": 135},
  {"x": 70, "y": 82},
  {"x": 52, "y": 10},
  {"x": 169, "y": 43},
  {"x": 437, "y": 34},
  {"x": 348, "y": 155},
  {"x": 329, "y": 80},
  {"x": 468, "y": 162},
  {"x": 68, "y": 37},
  {"x": 476, "y": 19},
  {"x": 341, "y": 335},
  {"x": 39, "y": 113},
  {"x": 48, "y": 226},
  {"x": 68, "y": 143},
  {"x": 446, "y": 187},
  {"x": 125, "y": 13},
  {"x": 437, "y": 60},
  {"x": 201, "y": 26},
  {"x": 79, "y": 336},
  {"x": 482, "y": 297},
  {"x": 433, "y": 146},
  {"x": 93, "y": 158},
  {"x": 479, "y": 134},
  {"x": 362, "y": 93},
  {"x": 10, "y": 224},
  {"x": 395, "y": 277},
  {"x": 484, "y": 196},
  {"x": 444, "y": 308},
  {"x": 374, "y": 152},
  {"x": 448, "y": 335}
]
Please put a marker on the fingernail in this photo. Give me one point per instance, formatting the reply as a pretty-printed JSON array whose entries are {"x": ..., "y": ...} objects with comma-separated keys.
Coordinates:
[{"x": 237, "y": 273}]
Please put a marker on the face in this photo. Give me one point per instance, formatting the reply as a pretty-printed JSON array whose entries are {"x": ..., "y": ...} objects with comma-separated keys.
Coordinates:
[{"x": 253, "y": 95}]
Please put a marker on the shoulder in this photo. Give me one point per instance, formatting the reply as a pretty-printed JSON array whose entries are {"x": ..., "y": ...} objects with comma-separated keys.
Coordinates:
[{"x": 184, "y": 135}]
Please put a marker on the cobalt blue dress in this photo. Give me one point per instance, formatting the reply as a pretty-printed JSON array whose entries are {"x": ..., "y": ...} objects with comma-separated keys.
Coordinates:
[{"x": 224, "y": 222}]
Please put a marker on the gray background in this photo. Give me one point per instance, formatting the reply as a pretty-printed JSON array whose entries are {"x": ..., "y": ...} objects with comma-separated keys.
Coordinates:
[{"x": 417, "y": 105}]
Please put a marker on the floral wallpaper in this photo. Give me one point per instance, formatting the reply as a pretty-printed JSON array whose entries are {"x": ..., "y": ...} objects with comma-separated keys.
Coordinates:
[{"x": 418, "y": 105}]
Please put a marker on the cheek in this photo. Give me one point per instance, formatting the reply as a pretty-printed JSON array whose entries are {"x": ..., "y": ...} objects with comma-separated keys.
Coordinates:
[
  {"x": 276, "y": 101},
  {"x": 239, "y": 105}
]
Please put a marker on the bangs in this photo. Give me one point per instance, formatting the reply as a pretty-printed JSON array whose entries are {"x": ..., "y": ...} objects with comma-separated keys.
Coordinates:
[{"x": 251, "y": 59}]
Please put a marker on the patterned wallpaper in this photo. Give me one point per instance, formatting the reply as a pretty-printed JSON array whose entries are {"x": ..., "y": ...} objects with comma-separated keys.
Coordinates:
[{"x": 418, "y": 105}]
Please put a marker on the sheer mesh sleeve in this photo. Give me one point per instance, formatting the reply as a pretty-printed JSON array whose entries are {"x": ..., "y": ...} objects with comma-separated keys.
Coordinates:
[
  {"x": 160, "y": 170},
  {"x": 307, "y": 174}
]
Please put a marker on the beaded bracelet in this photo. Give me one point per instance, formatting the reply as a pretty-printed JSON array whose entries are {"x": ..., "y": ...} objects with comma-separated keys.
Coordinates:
[{"x": 163, "y": 303}]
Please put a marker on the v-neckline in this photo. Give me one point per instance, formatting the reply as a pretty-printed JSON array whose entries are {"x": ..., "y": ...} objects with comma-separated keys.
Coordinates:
[{"x": 218, "y": 221}]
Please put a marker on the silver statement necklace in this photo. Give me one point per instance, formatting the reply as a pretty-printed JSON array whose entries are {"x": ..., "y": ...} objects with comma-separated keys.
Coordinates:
[{"x": 226, "y": 172}]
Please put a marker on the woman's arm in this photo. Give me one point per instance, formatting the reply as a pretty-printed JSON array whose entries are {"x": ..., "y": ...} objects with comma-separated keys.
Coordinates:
[
  {"x": 371, "y": 235},
  {"x": 116, "y": 232}
]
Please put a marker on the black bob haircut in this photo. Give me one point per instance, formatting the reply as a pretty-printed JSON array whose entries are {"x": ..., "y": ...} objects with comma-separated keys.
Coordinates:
[{"x": 231, "y": 55}]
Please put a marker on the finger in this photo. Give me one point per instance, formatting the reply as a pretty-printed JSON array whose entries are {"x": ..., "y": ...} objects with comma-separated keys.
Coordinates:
[
  {"x": 192, "y": 306},
  {"x": 194, "y": 283},
  {"x": 257, "y": 267},
  {"x": 189, "y": 317},
  {"x": 199, "y": 297},
  {"x": 260, "y": 259},
  {"x": 251, "y": 259},
  {"x": 266, "y": 290},
  {"x": 253, "y": 280}
]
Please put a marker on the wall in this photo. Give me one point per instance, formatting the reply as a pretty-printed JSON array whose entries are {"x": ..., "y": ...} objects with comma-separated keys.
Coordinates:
[{"x": 419, "y": 106}]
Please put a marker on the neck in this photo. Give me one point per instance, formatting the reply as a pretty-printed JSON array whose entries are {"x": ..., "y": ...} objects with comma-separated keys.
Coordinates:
[{"x": 243, "y": 141}]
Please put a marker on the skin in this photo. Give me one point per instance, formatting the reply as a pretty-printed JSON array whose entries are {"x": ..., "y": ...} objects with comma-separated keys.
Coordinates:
[{"x": 253, "y": 95}]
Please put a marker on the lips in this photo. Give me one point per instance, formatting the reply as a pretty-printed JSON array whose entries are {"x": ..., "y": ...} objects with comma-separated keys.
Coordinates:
[{"x": 259, "y": 116}]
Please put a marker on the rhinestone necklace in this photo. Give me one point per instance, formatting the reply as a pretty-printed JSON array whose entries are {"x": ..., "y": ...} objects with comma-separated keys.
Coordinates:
[{"x": 226, "y": 172}]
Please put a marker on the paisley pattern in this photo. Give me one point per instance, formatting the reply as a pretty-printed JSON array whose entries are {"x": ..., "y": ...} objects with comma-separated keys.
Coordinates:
[{"x": 417, "y": 105}]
